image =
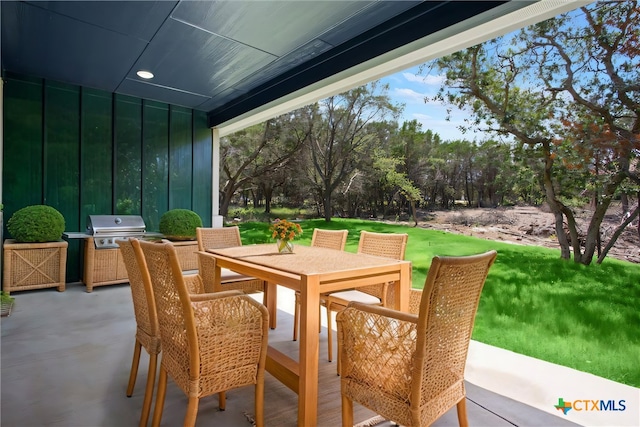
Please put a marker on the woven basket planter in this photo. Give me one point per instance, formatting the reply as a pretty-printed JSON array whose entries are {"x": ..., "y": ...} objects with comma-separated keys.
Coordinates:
[{"x": 34, "y": 265}]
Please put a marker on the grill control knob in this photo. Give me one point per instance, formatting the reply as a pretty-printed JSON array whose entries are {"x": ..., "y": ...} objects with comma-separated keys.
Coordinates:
[{"x": 102, "y": 241}]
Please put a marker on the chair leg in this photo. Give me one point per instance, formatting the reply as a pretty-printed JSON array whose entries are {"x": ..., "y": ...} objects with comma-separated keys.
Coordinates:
[
  {"x": 347, "y": 412},
  {"x": 222, "y": 400},
  {"x": 462, "y": 413},
  {"x": 160, "y": 395},
  {"x": 338, "y": 363},
  {"x": 329, "y": 332},
  {"x": 192, "y": 412},
  {"x": 259, "y": 419},
  {"x": 296, "y": 315},
  {"x": 134, "y": 368},
  {"x": 148, "y": 393}
]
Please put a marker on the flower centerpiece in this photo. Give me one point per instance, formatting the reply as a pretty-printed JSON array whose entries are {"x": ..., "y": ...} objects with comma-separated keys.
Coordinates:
[{"x": 284, "y": 232}]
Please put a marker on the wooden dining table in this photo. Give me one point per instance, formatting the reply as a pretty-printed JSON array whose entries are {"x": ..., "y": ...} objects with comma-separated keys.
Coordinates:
[{"x": 312, "y": 271}]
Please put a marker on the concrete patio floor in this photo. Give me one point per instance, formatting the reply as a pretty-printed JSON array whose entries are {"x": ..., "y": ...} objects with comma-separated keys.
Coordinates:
[{"x": 66, "y": 360}]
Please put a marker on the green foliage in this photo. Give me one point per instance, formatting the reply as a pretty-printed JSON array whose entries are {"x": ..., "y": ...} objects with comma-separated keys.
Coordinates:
[
  {"x": 5, "y": 298},
  {"x": 37, "y": 223},
  {"x": 180, "y": 224},
  {"x": 567, "y": 89},
  {"x": 250, "y": 214},
  {"x": 533, "y": 303}
]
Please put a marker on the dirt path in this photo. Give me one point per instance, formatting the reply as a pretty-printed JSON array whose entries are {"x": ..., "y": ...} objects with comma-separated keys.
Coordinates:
[{"x": 528, "y": 225}]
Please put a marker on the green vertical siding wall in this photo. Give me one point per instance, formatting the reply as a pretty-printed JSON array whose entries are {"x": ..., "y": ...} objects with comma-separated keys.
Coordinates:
[
  {"x": 87, "y": 152},
  {"x": 61, "y": 167}
]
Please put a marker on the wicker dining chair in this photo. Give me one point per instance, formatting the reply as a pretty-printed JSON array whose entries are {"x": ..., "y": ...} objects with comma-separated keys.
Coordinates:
[
  {"x": 144, "y": 308},
  {"x": 330, "y": 239},
  {"x": 218, "y": 238},
  {"x": 388, "y": 245},
  {"x": 147, "y": 329},
  {"x": 410, "y": 368},
  {"x": 211, "y": 343}
]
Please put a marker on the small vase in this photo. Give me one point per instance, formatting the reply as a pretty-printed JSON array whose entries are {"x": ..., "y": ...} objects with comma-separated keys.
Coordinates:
[{"x": 285, "y": 246}]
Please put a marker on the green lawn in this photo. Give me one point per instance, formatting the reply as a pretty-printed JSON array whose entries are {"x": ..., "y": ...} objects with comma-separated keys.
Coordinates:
[{"x": 533, "y": 303}]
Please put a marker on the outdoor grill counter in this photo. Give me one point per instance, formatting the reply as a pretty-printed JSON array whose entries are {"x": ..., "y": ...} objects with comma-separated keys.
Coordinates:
[{"x": 103, "y": 263}]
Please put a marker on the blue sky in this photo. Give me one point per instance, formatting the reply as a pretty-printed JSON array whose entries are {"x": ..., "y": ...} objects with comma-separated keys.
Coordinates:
[{"x": 410, "y": 89}]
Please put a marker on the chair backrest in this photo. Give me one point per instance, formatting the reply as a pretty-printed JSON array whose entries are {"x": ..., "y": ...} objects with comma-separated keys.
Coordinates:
[
  {"x": 446, "y": 317},
  {"x": 219, "y": 237},
  {"x": 331, "y": 239},
  {"x": 388, "y": 245},
  {"x": 144, "y": 305},
  {"x": 231, "y": 327},
  {"x": 177, "y": 330}
]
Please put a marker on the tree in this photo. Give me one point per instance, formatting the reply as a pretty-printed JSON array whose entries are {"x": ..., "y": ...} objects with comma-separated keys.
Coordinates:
[
  {"x": 259, "y": 152},
  {"x": 341, "y": 128},
  {"x": 397, "y": 181},
  {"x": 569, "y": 88}
]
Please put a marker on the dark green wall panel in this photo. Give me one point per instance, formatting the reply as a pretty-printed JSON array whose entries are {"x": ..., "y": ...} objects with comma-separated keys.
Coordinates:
[
  {"x": 180, "y": 158},
  {"x": 89, "y": 152},
  {"x": 22, "y": 171},
  {"x": 62, "y": 159},
  {"x": 155, "y": 162},
  {"x": 128, "y": 158},
  {"x": 202, "y": 172},
  {"x": 96, "y": 153},
  {"x": 62, "y": 150}
]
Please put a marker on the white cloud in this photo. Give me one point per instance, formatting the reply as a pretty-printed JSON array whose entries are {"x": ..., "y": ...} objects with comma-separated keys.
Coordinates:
[
  {"x": 427, "y": 80},
  {"x": 447, "y": 129},
  {"x": 409, "y": 95},
  {"x": 422, "y": 117}
]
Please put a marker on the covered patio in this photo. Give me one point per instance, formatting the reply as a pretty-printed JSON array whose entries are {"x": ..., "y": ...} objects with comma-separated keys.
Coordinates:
[
  {"x": 66, "y": 360},
  {"x": 66, "y": 356}
]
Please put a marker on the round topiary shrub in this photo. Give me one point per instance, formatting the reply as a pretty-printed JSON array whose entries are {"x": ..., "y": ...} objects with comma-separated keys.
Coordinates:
[
  {"x": 180, "y": 224},
  {"x": 36, "y": 224}
]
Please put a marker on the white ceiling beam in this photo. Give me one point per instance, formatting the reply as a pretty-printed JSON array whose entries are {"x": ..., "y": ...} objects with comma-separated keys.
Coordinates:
[{"x": 502, "y": 20}]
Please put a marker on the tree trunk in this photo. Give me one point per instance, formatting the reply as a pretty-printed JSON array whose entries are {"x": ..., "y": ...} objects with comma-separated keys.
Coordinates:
[
  {"x": 268, "y": 194},
  {"x": 617, "y": 233},
  {"x": 593, "y": 233},
  {"x": 414, "y": 213},
  {"x": 326, "y": 200},
  {"x": 227, "y": 194},
  {"x": 624, "y": 199},
  {"x": 554, "y": 204}
]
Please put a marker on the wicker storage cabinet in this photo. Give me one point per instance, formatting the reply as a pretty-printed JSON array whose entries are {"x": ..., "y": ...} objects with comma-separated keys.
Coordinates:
[
  {"x": 187, "y": 254},
  {"x": 102, "y": 266},
  {"x": 34, "y": 265}
]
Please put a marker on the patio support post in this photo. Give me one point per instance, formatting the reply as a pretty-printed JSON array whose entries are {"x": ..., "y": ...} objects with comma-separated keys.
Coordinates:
[
  {"x": 216, "y": 218},
  {"x": 1, "y": 134},
  {"x": 1, "y": 161}
]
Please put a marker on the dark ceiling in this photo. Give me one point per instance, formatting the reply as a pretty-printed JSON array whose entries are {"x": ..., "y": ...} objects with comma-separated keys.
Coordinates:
[{"x": 223, "y": 57}]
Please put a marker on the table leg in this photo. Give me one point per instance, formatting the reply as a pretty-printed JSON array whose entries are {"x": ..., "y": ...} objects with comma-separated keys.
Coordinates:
[
  {"x": 309, "y": 343},
  {"x": 217, "y": 278},
  {"x": 403, "y": 288},
  {"x": 271, "y": 298}
]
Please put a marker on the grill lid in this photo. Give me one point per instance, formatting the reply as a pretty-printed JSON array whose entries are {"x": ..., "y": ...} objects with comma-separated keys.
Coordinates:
[{"x": 111, "y": 225}]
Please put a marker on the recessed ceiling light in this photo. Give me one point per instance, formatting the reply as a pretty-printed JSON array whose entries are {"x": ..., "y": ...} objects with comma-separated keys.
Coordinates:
[{"x": 145, "y": 74}]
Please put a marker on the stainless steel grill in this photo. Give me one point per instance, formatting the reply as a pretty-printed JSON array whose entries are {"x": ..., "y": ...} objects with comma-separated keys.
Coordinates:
[{"x": 106, "y": 229}]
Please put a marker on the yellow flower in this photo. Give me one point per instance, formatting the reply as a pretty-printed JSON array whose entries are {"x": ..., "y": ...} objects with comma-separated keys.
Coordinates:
[{"x": 284, "y": 230}]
